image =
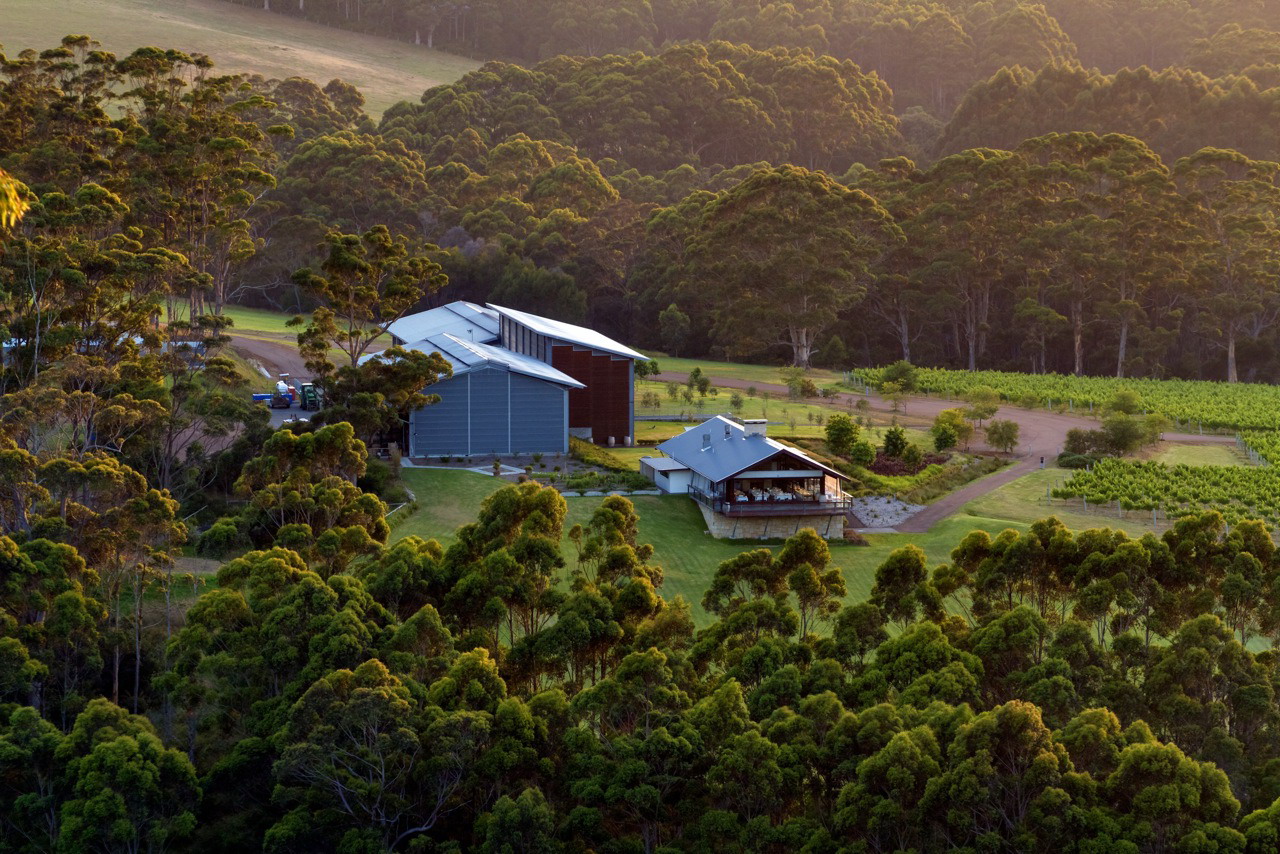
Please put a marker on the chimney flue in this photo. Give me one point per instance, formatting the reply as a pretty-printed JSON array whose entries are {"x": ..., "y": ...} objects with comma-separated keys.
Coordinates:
[{"x": 755, "y": 426}]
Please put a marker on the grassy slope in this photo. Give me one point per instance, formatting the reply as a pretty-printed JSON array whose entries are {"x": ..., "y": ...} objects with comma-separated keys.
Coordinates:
[
  {"x": 1201, "y": 455},
  {"x": 1023, "y": 501},
  {"x": 238, "y": 38},
  {"x": 255, "y": 320},
  {"x": 674, "y": 526},
  {"x": 737, "y": 371},
  {"x": 786, "y": 417}
]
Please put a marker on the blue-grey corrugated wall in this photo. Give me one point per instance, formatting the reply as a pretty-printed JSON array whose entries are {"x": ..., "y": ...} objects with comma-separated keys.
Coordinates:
[{"x": 491, "y": 411}]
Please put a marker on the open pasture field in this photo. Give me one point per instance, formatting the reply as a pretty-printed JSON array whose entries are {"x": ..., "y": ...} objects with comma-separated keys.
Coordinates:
[{"x": 238, "y": 39}]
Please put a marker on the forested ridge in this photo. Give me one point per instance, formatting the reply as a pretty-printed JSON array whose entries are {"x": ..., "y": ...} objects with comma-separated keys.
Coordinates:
[
  {"x": 785, "y": 182},
  {"x": 1117, "y": 224}
]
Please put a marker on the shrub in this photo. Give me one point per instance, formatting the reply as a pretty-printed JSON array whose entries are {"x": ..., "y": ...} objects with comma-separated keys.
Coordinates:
[
  {"x": 895, "y": 442},
  {"x": 1003, "y": 435},
  {"x": 944, "y": 437},
  {"x": 984, "y": 402},
  {"x": 1153, "y": 427},
  {"x": 841, "y": 433},
  {"x": 377, "y": 477},
  {"x": 1122, "y": 434},
  {"x": 1069, "y": 460},
  {"x": 912, "y": 456},
  {"x": 1079, "y": 442},
  {"x": 957, "y": 423},
  {"x": 901, "y": 372},
  {"x": 736, "y": 402},
  {"x": 594, "y": 455},
  {"x": 1125, "y": 400},
  {"x": 223, "y": 538},
  {"x": 583, "y": 481},
  {"x": 862, "y": 454},
  {"x": 894, "y": 393}
]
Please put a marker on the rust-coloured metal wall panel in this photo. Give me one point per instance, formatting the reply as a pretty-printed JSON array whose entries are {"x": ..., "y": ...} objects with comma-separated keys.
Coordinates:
[{"x": 605, "y": 404}]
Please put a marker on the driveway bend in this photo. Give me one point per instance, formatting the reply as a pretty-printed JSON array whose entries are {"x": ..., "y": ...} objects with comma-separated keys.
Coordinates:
[{"x": 1040, "y": 434}]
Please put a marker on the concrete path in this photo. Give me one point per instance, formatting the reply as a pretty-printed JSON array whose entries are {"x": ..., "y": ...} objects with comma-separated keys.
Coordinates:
[{"x": 1041, "y": 434}]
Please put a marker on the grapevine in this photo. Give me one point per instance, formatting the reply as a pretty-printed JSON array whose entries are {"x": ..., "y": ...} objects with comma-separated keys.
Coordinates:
[
  {"x": 1238, "y": 492},
  {"x": 1192, "y": 404}
]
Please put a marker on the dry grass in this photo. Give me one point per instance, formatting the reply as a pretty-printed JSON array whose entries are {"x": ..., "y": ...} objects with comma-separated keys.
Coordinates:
[{"x": 238, "y": 38}]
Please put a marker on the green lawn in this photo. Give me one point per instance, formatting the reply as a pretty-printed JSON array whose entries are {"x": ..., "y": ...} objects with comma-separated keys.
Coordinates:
[
  {"x": 1023, "y": 501},
  {"x": 250, "y": 320},
  {"x": 238, "y": 39},
  {"x": 737, "y": 371},
  {"x": 672, "y": 523},
  {"x": 786, "y": 417},
  {"x": 1201, "y": 455}
]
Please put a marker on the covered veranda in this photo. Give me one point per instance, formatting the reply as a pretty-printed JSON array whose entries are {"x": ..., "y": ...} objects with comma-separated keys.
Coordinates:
[{"x": 769, "y": 492}]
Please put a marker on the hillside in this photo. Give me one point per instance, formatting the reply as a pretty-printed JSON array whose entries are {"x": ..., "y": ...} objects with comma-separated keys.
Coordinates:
[{"x": 239, "y": 39}]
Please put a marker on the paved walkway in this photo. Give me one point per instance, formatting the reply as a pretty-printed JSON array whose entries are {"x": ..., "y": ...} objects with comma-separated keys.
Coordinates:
[{"x": 1041, "y": 434}]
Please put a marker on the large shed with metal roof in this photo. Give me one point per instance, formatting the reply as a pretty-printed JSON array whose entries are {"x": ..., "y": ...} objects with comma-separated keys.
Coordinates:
[
  {"x": 603, "y": 410},
  {"x": 521, "y": 383},
  {"x": 496, "y": 402}
]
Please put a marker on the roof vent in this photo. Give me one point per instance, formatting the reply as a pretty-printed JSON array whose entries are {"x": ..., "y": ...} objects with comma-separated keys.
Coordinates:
[
  {"x": 706, "y": 441},
  {"x": 727, "y": 431},
  {"x": 755, "y": 426}
]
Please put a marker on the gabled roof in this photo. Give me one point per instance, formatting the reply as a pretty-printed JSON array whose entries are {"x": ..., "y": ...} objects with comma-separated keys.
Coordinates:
[
  {"x": 469, "y": 356},
  {"x": 466, "y": 320},
  {"x": 465, "y": 356},
  {"x": 731, "y": 450},
  {"x": 568, "y": 333}
]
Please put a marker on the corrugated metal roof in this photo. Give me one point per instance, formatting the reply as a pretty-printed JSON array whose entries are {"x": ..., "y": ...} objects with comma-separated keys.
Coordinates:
[
  {"x": 467, "y": 356},
  {"x": 730, "y": 450},
  {"x": 568, "y": 332},
  {"x": 468, "y": 321},
  {"x": 664, "y": 464}
]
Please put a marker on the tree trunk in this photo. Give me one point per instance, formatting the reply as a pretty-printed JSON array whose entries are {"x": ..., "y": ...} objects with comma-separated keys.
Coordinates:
[
  {"x": 137, "y": 652},
  {"x": 904, "y": 335},
  {"x": 1124, "y": 346},
  {"x": 1077, "y": 334},
  {"x": 1232, "y": 375},
  {"x": 115, "y": 673},
  {"x": 168, "y": 636}
]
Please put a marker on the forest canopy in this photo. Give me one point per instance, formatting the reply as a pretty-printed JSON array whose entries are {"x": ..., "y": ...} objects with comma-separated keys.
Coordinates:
[{"x": 1088, "y": 187}]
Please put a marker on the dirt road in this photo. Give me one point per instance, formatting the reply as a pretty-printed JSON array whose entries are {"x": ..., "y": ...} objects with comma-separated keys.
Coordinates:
[
  {"x": 278, "y": 357},
  {"x": 1041, "y": 435}
]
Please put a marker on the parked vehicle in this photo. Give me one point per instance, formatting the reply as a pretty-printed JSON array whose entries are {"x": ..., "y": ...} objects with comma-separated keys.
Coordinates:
[
  {"x": 312, "y": 398},
  {"x": 283, "y": 397}
]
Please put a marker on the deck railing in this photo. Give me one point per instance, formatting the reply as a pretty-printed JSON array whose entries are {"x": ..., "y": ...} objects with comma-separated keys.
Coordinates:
[{"x": 828, "y": 505}]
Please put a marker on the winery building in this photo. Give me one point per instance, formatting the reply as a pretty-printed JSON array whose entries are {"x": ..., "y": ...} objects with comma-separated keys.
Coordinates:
[{"x": 521, "y": 383}]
